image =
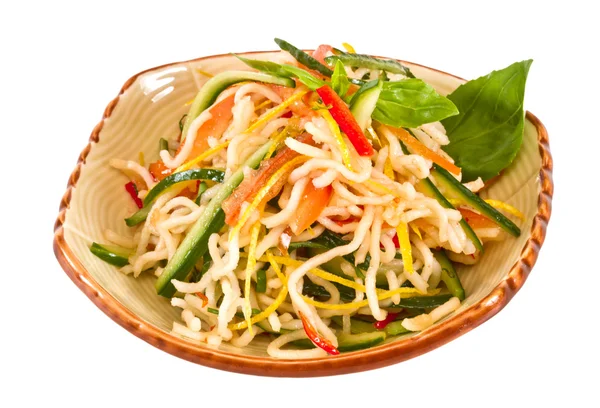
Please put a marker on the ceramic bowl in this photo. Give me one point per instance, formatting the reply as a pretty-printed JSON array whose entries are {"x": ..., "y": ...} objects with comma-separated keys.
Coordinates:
[{"x": 148, "y": 107}]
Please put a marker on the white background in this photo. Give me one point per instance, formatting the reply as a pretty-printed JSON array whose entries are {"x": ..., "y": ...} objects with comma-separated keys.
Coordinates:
[{"x": 62, "y": 63}]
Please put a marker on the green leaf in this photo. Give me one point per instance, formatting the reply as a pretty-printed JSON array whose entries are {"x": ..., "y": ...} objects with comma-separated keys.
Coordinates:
[
  {"x": 265, "y": 66},
  {"x": 339, "y": 80},
  {"x": 411, "y": 103},
  {"x": 303, "y": 76},
  {"x": 365, "y": 61},
  {"x": 487, "y": 134}
]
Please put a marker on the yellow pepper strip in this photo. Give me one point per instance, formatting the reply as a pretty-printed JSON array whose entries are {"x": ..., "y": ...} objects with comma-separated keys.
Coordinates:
[
  {"x": 279, "y": 137},
  {"x": 141, "y": 159},
  {"x": 262, "y": 105},
  {"x": 206, "y": 74},
  {"x": 416, "y": 230},
  {"x": 405, "y": 249},
  {"x": 265, "y": 313},
  {"x": 262, "y": 193},
  {"x": 284, "y": 260},
  {"x": 403, "y": 292},
  {"x": 388, "y": 170},
  {"x": 335, "y": 129},
  {"x": 250, "y": 265},
  {"x": 275, "y": 111},
  {"x": 198, "y": 159},
  {"x": 348, "y": 48},
  {"x": 500, "y": 205},
  {"x": 275, "y": 267}
]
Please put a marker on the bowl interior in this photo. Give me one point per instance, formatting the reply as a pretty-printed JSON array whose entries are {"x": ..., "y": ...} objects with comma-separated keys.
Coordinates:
[{"x": 150, "y": 109}]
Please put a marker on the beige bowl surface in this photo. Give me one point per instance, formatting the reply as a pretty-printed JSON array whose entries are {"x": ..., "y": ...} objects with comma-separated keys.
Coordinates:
[{"x": 149, "y": 107}]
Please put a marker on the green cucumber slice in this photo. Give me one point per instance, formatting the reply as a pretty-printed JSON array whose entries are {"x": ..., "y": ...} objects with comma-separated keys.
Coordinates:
[
  {"x": 455, "y": 189},
  {"x": 449, "y": 276},
  {"x": 364, "y": 101},
  {"x": 111, "y": 254},
  {"x": 353, "y": 342}
]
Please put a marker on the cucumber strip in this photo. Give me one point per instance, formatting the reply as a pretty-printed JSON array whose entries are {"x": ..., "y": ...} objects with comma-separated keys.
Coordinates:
[
  {"x": 261, "y": 281},
  {"x": 449, "y": 275},
  {"x": 163, "y": 144},
  {"x": 395, "y": 328},
  {"x": 201, "y": 189},
  {"x": 187, "y": 175},
  {"x": 213, "y": 87},
  {"x": 311, "y": 289},
  {"x": 356, "y": 326},
  {"x": 303, "y": 344},
  {"x": 195, "y": 244},
  {"x": 306, "y": 244},
  {"x": 111, "y": 254},
  {"x": 428, "y": 188},
  {"x": 425, "y": 302},
  {"x": 352, "y": 342},
  {"x": 332, "y": 240},
  {"x": 138, "y": 217},
  {"x": 167, "y": 182},
  {"x": 365, "y": 61},
  {"x": 364, "y": 101},
  {"x": 303, "y": 58},
  {"x": 456, "y": 189}
]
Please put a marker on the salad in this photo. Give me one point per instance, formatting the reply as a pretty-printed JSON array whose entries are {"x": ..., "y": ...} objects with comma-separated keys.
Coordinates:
[{"x": 322, "y": 199}]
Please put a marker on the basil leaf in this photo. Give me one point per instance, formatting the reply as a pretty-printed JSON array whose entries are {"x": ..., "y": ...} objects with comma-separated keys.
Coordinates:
[
  {"x": 265, "y": 66},
  {"x": 411, "y": 103},
  {"x": 365, "y": 61},
  {"x": 339, "y": 80},
  {"x": 487, "y": 134},
  {"x": 303, "y": 76},
  {"x": 303, "y": 58}
]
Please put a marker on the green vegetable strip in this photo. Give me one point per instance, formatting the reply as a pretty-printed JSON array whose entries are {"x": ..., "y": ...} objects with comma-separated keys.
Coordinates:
[
  {"x": 303, "y": 58},
  {"x": 311, "y": 289},
  {"x": 195, "y": 244},
  {"x": 449, "y": 276},
  {"x": 167, "y": 182},
  {"x": 187, "y": 175},
  {"x": 365, "y": 61},
  {"x": 426, "y": 302},
  {"x": 261, "y": 281},
  {"x": 462, "y": 193},
  {"x": 111, "y": 254},
  {"x": 201, "y": 189},
  {"x": 163, "y": 144},
  {"x": 331, "y": 240}
]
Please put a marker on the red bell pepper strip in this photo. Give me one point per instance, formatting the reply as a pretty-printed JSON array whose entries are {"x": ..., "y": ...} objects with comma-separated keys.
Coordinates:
[
  {"x": 380, "y": 325},
  {"x": 132, "y": 190},
  {"x": 317, "y": 340},
  {"x": 342, "y": 115}
]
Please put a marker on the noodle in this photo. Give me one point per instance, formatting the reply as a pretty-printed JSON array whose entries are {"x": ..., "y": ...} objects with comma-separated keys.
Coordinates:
[{"x": 364, "y": 211}]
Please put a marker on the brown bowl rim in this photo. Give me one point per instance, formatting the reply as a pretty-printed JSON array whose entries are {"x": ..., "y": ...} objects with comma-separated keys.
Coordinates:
[{"x": 369, "y": 359}]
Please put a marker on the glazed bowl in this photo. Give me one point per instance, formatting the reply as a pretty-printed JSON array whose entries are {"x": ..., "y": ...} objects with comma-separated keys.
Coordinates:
[{"x": 149, "y": 107}]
